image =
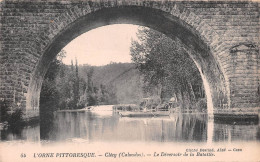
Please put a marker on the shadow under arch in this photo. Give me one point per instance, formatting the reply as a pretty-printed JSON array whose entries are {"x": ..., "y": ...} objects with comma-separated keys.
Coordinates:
[{"x": 166, "y": 23}]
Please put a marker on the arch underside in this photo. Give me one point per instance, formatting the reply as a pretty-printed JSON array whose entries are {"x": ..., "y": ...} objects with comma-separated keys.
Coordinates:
[{"x": 155, "y": 19}]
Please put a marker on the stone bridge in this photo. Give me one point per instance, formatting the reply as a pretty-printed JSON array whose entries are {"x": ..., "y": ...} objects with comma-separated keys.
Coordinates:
[{"x": 221, "y": 37}]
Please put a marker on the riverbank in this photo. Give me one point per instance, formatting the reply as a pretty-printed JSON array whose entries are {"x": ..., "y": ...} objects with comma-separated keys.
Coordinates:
[{"x": 91, "y": 108}]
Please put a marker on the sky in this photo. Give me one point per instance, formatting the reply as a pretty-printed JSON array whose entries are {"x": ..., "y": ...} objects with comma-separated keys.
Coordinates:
[{"x": 102, "y": 45}]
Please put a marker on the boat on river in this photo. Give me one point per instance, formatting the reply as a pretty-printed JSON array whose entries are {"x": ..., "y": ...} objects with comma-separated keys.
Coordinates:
[{"x": 144, "y": 113}]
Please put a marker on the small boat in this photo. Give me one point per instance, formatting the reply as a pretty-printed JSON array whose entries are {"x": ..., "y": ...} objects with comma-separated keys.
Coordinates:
[{"x": 144, "y": 113}]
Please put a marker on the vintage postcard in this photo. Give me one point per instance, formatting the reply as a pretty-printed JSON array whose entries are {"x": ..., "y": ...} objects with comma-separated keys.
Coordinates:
[{"x": 129, "y": 80}]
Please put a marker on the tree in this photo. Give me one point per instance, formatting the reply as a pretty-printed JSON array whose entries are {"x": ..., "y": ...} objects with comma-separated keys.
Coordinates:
[
  {"x": 167, "y": 68},
  {"x": 50, "y": 92},
  {"x": 76, "y": 85}
]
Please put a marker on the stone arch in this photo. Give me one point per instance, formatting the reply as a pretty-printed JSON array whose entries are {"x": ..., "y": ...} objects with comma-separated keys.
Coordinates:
[{"x": 203, "y": 43}]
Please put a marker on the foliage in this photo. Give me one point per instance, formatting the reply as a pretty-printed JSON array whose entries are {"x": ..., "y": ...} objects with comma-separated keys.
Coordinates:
[
  {"x": 201, "y": 104},
  {"x": 75, "y": 87},
  {"x": 159, "y": 73},
  {"x": 13, "y": 118},
  {"x": 4, "y": 111},
  {"x": 167, "y": 68},
  {"x": 49, "y": 91},
  {"x": 114, "y": 83},
  {"x": 126, "y": 107}
]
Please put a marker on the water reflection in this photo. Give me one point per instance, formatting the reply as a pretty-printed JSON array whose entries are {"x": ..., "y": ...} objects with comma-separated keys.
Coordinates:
[
  {"x": 29, "y": 133},
  {"x": 232, "y": 132},
  {"x": 86, "y": 126},
  {"x": 93, "y": 127}
]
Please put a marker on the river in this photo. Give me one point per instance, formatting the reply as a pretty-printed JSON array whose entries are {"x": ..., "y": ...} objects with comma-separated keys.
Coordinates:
[{"x": 101, "y": 126}]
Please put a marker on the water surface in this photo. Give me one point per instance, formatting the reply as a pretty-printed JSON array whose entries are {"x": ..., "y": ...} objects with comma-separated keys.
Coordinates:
[{"x": 103, "y": 125}]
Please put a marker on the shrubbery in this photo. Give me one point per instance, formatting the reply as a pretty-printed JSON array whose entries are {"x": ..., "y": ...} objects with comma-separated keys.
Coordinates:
[
  {"x": 126, "y": 107},
  {"x": 13, "y": 118},
  {"x": 201, "y": 105}
]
